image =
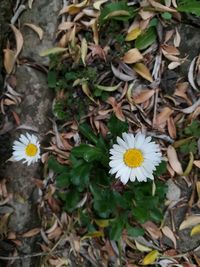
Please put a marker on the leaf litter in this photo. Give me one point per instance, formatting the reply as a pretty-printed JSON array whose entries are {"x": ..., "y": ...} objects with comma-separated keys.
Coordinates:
[{"x": 130, "y": 63}]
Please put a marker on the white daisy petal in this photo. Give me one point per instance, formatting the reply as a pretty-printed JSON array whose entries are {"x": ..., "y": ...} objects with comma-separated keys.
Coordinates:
[
  {"x": 134, "y": 157},
  {"x": 27, "y": 148}
]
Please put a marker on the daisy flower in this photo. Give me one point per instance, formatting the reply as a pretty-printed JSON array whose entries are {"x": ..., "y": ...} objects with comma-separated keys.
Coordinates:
[
  {"x": 27, "y": 149},
  {"x": 134, "y": 157}
]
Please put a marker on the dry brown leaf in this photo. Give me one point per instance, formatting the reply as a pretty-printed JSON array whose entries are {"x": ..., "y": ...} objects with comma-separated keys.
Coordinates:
[
  {"x": 160, "y": 7},
  {"x": 97, "y": 4},
  {"x": 197, "y": 163},
  {"x": 190, "y": 221},
  {"x": 9, "y": 60},
  {"x": 143, "y": 71},
  {"x": 143, "y": 96},
  {"x": 19, "y": 40},
  {"x": 84, "y": 50},
  {"x": 171, "y": 127},
  {"x": 152, "y": 229},
  {"x": 120, "y": 75},
  {"x": 174, "y": 65},
  {"x": 191, "y": 73},
  {"x": 36, "y": 29},
  {"x": 146, "y": 14},
  {"x": 163, "y": 116},
  {"x": 170, "y": 49},
  {"x": 66, "y": 25},
  {"x": 168, "y": 233},
  {"x": 132, "y": 56},
  {"x": 30, "y": 3},
  {"x": 117, "y": 109},
  {"x": 74, "y": 8},
  {"x": 177, "y": 39},
  {"x": 32, "y": 232},
  {"x": 173, "y": 160}
]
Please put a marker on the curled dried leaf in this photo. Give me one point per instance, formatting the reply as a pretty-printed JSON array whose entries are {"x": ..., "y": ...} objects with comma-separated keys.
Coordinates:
[
  {"x": 36, "y": 29},
  {"x": 190, "y": 221},
  {"x": 132, "y": 56},
  {"x": 173, "y": 160}
]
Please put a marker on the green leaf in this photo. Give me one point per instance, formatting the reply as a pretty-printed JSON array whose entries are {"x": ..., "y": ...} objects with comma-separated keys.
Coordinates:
[
  {"x": 193, "y": 129},
  {"x": 72, "y": 198},
  {"x": 80, "y": 150},
  {"x": 161, "y": 168},
  {"x": 52, "y": 79},
  {"x": 188, "y": 147},
  {"x": 80, "y": 175},
  {"x": 117, "y": 11},
  {"x": 93, "y": 153},
  {"x": 116, "y": 126},
  {"x": 141, "y": 214},
  {"x": 55, "y": 166},
  {"x": 116, "y": 228},
  {"x": 146, "y": 39},
  {"x": 88, "y": 133},
  {"x": 63, "y": 180},
  {"x": 134, "y": 231},
  {"x": 189, "y": 6},
  {"x": 166, "y": 15}
]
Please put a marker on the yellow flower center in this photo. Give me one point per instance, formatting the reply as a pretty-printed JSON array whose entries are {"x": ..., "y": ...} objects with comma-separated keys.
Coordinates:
[
  {"x": 133, "y": 158},
  {"x": 31, "y": 150}
]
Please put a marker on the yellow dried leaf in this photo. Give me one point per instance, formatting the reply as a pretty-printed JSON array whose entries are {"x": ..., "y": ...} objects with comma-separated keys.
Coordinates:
[
  {"x": 190, "y": 221},
  {"x": 189, "y": 166},
  {"x": 150, "y": 257},
  {"x": 53, "y": 50},
  {"x": 141, "y": 247},
  {"x": 117, "y": 13},
  {"x": 93, "y": 235},
  {"x": 86, "y": 90},
  {"x": 173, "y": 160},
  {"x": 73, "y": 9},
  {"x": 37, "y": 29},
  {"x": 19, "y": 40},
  {"x": 143, "y": 71},
  {"x": 9, "y": 60},
  {"x": 108, "y": 88},
  {"x": 102, "y": 223},
  {"x": 84, "y": 50},
  {"x": 97, "y": 4},
  {"x": 195, "y": 230},
  {"x": 95, "y": 31},
  {"x": 132, "y": 56},
  {"x": 132, "y": 35}
]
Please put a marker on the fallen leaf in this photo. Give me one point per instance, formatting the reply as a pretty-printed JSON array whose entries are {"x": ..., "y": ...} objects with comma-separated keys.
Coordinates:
[
  {"x": 86, "y": 90},
  {"x": 189, "y": 222},
  {"x": 150, "y": 257},
  {"x": 9, "y": 60},
  {"x": 173, "y": 160},
  {"x": 197, "y": 163},
  {"x": 97, "y": 4},
  {"x": 52, "y": 51},
  {"x": 177, "y": 39},
  {"x": 152, "y": 229},
  {"x": 191, "y": 74},
  {"x": 141, "y": 247},
  {"x": 191, "y": 108},
  {"x": 84, "y": 50},
  {"x": 133, "y": 34},
  {"x": 143, "y": 71},
  {"x": 66, "y": 25},
  {"x": 30, "y": 3},
  {"x": 173, "y": 191},
  {"x": 19, "y": 40},
  {"x": 36, "y": 29},
  {"x": 143, "y": 96},
  {"x": 163, "y": 116},
  {"x": 160, "y": 7},
  {"x": 108, "y": 88},
  {"x": 102, "y": 222},
  {"x": 168, "y": 233},
  {"x": 195, "y": 230},
  {"x": 94, "y": 234},
  {"x": 171, "y": 127},
  {"x": 189, "y": 166},
  {"x": 73, "y": 9},
  {"x": 132, "y": 56},
  {"x": 32, "y": 232},
  {"x": 120, "y": 75}
]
